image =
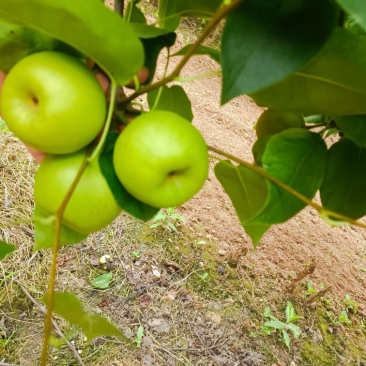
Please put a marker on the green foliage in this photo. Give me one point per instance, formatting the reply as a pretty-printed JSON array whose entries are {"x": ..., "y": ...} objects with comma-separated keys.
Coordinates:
[
  {"x": 166, "y": 219},
  {"x": 69, "y": 307},
  {"x": 125, "y": 200},
  {"x": 266, "y": 41},
  {"x": 79, "y": 25},
  {"x": 4, "y": 130},
  {"x": 356, "y": 8},
  {"x": 343, "y": 187},
  {"x": 309, "y": 289},
  {"x": 351, "y": 306},
  {"x": 103, "y": 281},
  {"x": 274, "y": 324},
  {"x": 5, "y": 249},
  {"x": 173, "y": 99},
  {"x": 44, "y": 233},
  {"x": 333, "y": 83},
  {"x": 139, "y": 335},
  {"x": 354, "y": 128}
]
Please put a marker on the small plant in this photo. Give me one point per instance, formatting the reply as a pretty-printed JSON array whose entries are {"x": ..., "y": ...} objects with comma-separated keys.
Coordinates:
[
  {"x": 103, "y": 281},
  {"x": 139, "y": 335},
  {"x": 136, "y": 254},
  {"x": 165, "y": 219},
  {"x": 351, "y": 306},
  {"x": 326, "y": 301},
  {"x": 309, "y": 289},
  {"x": 200, "y": 242},
  {"x": 274, "y": 324},
  {"x": 343, "y": 318},
  {"x": 204, "y": 276}
]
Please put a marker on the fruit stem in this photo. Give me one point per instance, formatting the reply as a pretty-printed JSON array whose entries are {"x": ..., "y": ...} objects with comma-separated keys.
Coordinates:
[
  {"x": 321, "y": 210},
  {"x": 51, "y": 286},
  {"x": 107, "y": 125},
  {"x": 221, "y": 13}
]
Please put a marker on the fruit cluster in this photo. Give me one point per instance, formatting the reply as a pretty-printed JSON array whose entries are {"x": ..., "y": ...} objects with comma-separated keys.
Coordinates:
[{"x": 54, "y": 103}]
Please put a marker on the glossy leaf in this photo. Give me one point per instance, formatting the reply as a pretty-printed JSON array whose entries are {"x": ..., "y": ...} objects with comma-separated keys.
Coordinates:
[
  {"x": 153, "y": 47},
  {"x": 343, "y": 189},
  {"x": 248, "y": 192},
  {"x": 102, "y": 281},
  {"x": 333, "y": 83},
  {"x": 356, "y": 8},
  {"x": 297, "y": 158},
  {"x": 133, "y": 14},
  {"x": 44, "y": 231},
  {"x": 5, "y": 249},
  {"x": 266, "y": 41},
  {"x": 354, "y": 128},
  {"x": 173, "y": 99},
  {"x": 259, "y": 148},
  {"x": 69, "y": 307},
  {"x": 90, "y": 27},
  {"x": 171, "y": 10},
  {"x": 127, "y": 202},
  {"x": 147, "y": 31},
  {"x": 201, "y": 50}
]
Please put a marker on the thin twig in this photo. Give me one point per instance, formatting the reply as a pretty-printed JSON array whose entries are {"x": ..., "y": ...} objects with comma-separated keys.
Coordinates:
[
  {"x": 324, "y": 213},
  {"x": 58, "y": 223},
  {"x": 6, "y": 364},
  {"x": 222, "y": 12},
  {"x": 305, "y": 272},
  {"x": 58, "y": 330},
  {"x": 321, "y": 293}
]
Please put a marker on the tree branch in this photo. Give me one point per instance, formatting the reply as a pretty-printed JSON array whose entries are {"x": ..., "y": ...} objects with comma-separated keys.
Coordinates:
[
  {"x": 324, "y": 213},
  {"x": 221, "y": 13},
  {"x": 58, "y": 330},
  {"x": 58, "y": 223}
]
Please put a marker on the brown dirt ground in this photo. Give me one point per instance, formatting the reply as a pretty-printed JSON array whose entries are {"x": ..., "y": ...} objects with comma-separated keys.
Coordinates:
[{"x": 211, "y": 322}]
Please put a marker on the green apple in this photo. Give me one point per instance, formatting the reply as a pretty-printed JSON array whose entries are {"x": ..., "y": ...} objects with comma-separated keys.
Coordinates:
[
  {"x": 53, "y": 103},
  {"x": 161, "y": 159},
  {"x": 273, "y": 121},
  {"x": 91, "y": 206}
]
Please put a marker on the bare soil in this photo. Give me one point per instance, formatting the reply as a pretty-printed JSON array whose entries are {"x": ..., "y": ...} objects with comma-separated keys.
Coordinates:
[{"x": 188, "y": 319}]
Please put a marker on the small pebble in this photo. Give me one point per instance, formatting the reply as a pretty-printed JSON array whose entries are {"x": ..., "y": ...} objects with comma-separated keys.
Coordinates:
[{"x": 220, "y": 270}]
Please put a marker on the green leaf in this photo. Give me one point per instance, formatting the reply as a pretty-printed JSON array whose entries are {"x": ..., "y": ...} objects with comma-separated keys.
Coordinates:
[
  {"x": 297, "y": 158},
  {"x": 171, "y": 10},
  {"x": 133, "y": 14},
  {"x": 126, "y": 201},
  {"x": 5, "y": 249},
  {"x": 290, "y": 311},
  {"x": 354, "y": 128},
  {"x": 102, "y": 281},
  {"x": 153, "y": 47},
  {"x": 275, "y": 324},
  {"x": 173, "y": 99},
  {"x": 333, "y": 83},
  {"x": 343, "y": 189},
  {"x": 44, "y": 231},
  {"x": 148, "y": 31},
  {"x": 17, "y": 42},
  {"x": 171, "y": 226},
  {"x": 201, "y": 50},
  {"x": 286, "y": 338},
  {"x": 248, "y": 192},
  {"x": 356, "y": 8},
  {"x": 90, "y": 27},
  {"x": 266, "y": 41},
  {"x": 259, "y": 148},
  {"x": 69, "y": 307}
]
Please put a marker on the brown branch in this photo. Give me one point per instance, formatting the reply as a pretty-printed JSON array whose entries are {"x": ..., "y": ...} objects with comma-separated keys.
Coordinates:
[
  {"x": 222, "y": 12},
  {"x": 321, "y": 293},
  {"x": 58, "y": 330},
  {"x": 58, "y": 223},
  {"x": 305, "y": 272}
]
